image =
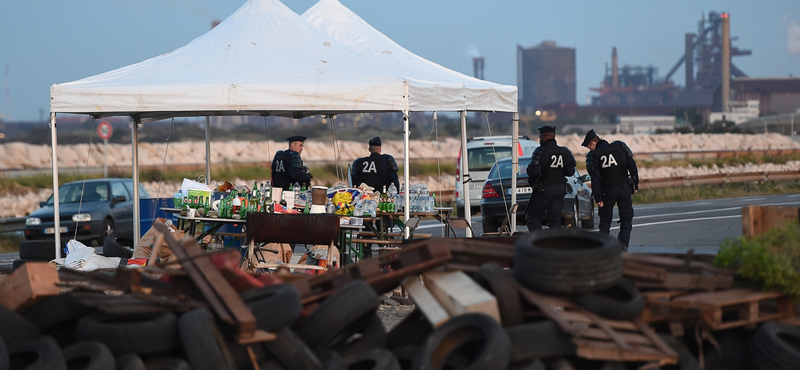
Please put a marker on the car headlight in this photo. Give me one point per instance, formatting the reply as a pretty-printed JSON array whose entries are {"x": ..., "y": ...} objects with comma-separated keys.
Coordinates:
[
  {"x": 82, "y": 217},
  {"x": 33, "y": 221}
]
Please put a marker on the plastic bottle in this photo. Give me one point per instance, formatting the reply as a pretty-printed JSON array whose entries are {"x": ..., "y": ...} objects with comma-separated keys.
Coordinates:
[
  {"x": 329, "y": 207},
  {"x": 296, "y": 193},
  {"x": 178, "y": 199}
]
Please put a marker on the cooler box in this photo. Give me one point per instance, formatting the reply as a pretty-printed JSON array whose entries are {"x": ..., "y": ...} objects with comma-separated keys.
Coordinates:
[{"x": 148, "y": 206}]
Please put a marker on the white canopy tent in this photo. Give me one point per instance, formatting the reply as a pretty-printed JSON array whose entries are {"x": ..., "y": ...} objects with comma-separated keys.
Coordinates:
[
  {"x": 450, "y": 91},
  {"x": 262, "y": 60}
]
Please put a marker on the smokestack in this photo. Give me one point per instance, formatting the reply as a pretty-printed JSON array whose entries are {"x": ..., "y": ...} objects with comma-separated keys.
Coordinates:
[
  {"x": 688, "y": 60},
  {"x": 478, "y": 65},
  {"x": 726, "y": 61},
  {"x": 614, "y": 68}
]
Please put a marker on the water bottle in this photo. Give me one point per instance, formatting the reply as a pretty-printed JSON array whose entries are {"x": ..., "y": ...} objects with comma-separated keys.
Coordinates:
[
  {"x": 296, "y": 193},
  {"x": 177, "y": 199}
]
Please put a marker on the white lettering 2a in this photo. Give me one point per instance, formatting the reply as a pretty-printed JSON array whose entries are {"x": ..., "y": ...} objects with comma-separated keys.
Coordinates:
[
  {"x": 608, "y": 161},
  {"x": 369, "y": 166},
  {"x": 279, "y": 167},
  {"x": 556, "y": 161}
]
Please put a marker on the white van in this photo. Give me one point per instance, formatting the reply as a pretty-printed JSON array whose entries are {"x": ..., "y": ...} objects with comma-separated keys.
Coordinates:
[{"x": 482, "y": 153}]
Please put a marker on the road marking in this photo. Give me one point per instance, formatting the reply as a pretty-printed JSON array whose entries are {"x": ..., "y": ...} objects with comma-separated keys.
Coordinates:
[
  {"x": 685, "y": 220},
  {"x": 711, "y": 210}
]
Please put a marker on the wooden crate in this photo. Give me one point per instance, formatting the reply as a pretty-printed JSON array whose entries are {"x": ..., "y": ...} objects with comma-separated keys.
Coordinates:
[
  {"x": 757, "y": 219},
  {"x": 597, "y": 338},
  {"x": 733, "y": 308},
  {"x": 29, "y": 283}
]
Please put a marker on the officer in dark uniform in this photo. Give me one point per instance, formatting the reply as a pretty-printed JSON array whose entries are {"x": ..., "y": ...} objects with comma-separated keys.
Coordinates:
[
  {"x": 377, "y": 170},
  {"x": 614, "y": 178},
  {"x": 550, "y": 164},
  {"x": 287, "y": 166}
]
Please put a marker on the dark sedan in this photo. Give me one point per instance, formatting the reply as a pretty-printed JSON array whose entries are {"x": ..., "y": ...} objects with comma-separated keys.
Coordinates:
[
  {"x": 89, "y": 211},
  {"x": 496, "y": 199}
]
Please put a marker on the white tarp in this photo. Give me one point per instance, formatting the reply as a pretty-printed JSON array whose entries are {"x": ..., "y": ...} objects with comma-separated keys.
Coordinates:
[
  {"x": 431, "y": 86},
  {"x": 262, "y": 59}
]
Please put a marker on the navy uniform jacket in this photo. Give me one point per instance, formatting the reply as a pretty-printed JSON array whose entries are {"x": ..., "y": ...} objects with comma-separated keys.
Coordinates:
[
  {"x": 611, "y": 165},
  {"x": 377, "y": 170},
  {"x": 287, "y": 169},
  {"x": 550, "y": 164}
]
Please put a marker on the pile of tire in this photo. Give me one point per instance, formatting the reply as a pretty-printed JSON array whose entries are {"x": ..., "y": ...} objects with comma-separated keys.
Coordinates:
[{"x": 581, "y": 264}]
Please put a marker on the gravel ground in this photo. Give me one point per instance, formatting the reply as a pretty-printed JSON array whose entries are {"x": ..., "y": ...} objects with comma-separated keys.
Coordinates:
[{"x": 393, "y": 315}]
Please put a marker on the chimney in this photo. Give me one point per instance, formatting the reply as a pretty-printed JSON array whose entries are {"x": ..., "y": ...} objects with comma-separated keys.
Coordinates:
[
  {"x": 478, "y": 65},
  {"x": 688, "y": 60},
  {"x": 726, "y": 61},
  {"x": 614, "y": 68}
]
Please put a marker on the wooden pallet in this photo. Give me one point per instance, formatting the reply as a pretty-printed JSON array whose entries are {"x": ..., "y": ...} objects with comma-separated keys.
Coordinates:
[
  {"x": 597, "y": 338},
  {"x": 687, "y": 271},
  {"x": 732, "y": 308}
]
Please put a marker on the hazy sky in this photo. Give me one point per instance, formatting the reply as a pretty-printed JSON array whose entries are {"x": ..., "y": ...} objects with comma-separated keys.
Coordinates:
[{"x": 48, "y": 41}]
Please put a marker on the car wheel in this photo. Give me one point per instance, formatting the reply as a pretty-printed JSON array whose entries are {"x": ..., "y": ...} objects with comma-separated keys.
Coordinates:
[
  {"x": 108, "y": 229},
  {"x": 589, "y": 224}
]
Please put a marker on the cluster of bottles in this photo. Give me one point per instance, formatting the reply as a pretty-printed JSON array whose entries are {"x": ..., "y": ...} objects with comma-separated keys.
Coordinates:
[
  {"x": 420, "y": 200},
  {"x": 257, "y": 199},
  {"x": 387, "y": 201}
]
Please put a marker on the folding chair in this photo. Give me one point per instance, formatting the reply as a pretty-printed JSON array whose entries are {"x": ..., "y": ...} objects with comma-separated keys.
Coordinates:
[
  {"x": 454, "y": 223},
  {"x": 505, "y": 227}
]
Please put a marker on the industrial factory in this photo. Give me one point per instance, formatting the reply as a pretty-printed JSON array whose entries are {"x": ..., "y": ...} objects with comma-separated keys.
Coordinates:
[{"x": 642, "y": 100}]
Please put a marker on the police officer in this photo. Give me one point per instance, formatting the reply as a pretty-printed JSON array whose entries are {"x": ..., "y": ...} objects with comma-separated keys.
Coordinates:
[
  {"x": 377, "y": 170},
  {"x": 287, "y": 166},
  {"x": 614, "y": 178},
  {"x": 550, "y": 164}
]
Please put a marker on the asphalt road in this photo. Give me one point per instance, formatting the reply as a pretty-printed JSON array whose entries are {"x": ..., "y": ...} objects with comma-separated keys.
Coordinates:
[
  {"x": 657, "y": 228},
  {"x": 675, "y": 227}
]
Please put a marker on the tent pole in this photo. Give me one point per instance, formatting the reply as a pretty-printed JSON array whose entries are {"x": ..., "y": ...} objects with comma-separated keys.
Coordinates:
[
  {"x": 135, "y": 175},
  {"x": 56, "y": 205},
  {"x": 514, "y": 167},
  {"x": 208, "y": 150},
  {"x": 406, "y": 177},
  {"x": 464, "y": 174}
]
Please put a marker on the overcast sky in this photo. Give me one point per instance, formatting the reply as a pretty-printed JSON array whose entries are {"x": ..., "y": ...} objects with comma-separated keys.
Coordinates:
[{"x": 52, "y": 41}]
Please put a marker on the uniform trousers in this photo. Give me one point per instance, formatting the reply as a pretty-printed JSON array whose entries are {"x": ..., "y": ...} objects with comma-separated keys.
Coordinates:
[
  {"x": 549, "y": 199},
  {"x": 621, "y": 196}
]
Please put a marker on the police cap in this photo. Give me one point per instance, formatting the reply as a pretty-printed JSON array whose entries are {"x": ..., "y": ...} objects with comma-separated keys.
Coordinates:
[
  {"x": 375, "y": 141},
  {"x": 589, "y": 137},
  {"x": 547, "y": 128},
  {"x": 296, "y": 138}
]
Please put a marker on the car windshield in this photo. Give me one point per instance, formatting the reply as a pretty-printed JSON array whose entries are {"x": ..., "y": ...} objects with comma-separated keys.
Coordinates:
[
  {"x": 92, "y": 192},
  {"x": 505, "y": 169},
  {"x": 483, "y": 158}
]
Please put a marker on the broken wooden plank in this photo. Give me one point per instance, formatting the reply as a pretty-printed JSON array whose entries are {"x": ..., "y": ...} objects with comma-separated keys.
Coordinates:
[
  {"x": 758, "y": 219},
  {"x": 425, "y": 301},
  {"x": 459, "y": 294}
]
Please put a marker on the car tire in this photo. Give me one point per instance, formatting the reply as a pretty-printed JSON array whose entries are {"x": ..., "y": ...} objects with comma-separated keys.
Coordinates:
[
  {"x": 567, "y": 261},
  {"x": 338, "y": 315},
  {"x": 168, "y": 363},
  {"x": 202, "y": 341},
  {"x": 372, "y": 359},
  {"x": 89, "y": 355},
  {"x": 621, "y": 302},
  {"x": 108, "y": 229},
  {"x": 274, "y": 306},
  {"x": 55, "y": 310},
  {"x": 774, "y": 347},
  {"x": 140, "y": 334},
  {"x": 291, "y": 351},
  {"x": 118, "y": 245},
  {"x": 40, "y": 354},
  {"x": 130, "y": 361},
  {"x": 543, "y": 339},
  {"x": 14, "y": 328},
  {"x": 589, "y": 223},
  {"x": 37, "y": 250},
  {"x": 501, "y": 284},
  {"x": 4, "y": 355},
  {"x": 475, "y": 340}
]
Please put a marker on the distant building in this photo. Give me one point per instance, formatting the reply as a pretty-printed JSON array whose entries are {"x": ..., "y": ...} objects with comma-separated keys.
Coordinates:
[
  {"x": 738, "y": 112},
  {"x": 545, "y": 76},
  {"x": 646, "y": 124},
  {"x": 774, "y": 95}
]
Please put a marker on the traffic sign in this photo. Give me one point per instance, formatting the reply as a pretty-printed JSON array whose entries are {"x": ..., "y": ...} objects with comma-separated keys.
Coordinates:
[{"x": 104, "y": 130}]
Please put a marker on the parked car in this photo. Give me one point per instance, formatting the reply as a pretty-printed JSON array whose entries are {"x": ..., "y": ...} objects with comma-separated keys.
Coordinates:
[
  {"x": 496, "y": 197},
  {"x": 482, "y": 153},
  {"x": 95, "y": 208}
]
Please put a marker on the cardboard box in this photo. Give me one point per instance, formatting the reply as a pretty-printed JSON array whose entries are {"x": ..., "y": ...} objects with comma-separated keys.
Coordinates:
[
  {"x": 28, "y": 284},
  {"x": 148, "y": 240}
]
